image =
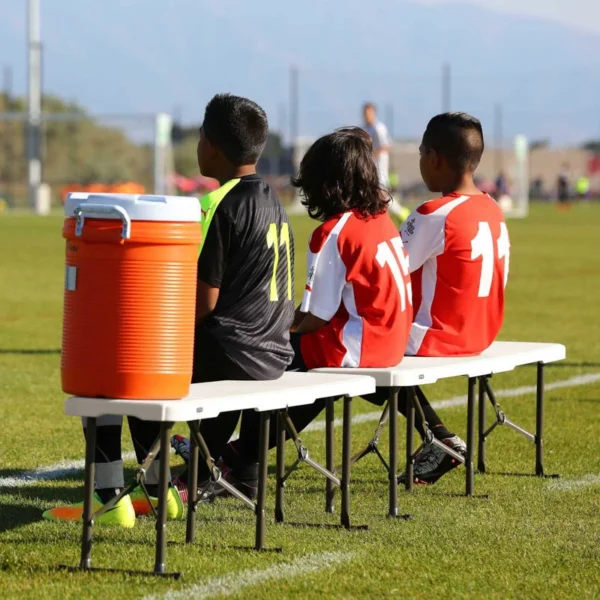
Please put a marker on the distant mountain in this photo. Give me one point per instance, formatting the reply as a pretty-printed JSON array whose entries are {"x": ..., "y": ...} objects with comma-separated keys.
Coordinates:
[{"x": 151, "y": 55}]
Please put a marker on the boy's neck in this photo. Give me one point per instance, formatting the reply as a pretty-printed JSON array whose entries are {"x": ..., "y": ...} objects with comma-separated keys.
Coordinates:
[
  {"x": 236, "y": 173},
  {"x": 463, "y": 185}
]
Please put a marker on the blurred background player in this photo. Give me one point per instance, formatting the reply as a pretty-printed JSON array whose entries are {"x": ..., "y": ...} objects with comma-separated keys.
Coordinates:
[
  {"x": 458, "y": 249},
  {"x": 380, "y": 138},
  {"x": 563, "y": 188},
  {"x": 583, "y": 187}
]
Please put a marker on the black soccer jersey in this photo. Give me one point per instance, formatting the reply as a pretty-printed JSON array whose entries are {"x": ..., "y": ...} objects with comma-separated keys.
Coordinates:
[{"x": 248, "y": 253}]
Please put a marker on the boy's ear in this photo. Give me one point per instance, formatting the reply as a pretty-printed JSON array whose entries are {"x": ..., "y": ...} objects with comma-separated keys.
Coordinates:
[{"x": 437, "y": 159}]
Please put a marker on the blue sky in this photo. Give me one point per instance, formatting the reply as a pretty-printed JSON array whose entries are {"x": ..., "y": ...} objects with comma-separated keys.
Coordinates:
[
  {"x": 583, "y": 14},
  {"x": 148, "y": 56}
]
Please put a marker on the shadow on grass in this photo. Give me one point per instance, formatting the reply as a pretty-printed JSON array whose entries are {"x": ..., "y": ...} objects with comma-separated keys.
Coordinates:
[
  {"x": 30, "y": 351},
  {"x": 52, "y": 495},
  {"x": 14, "y": 516}
]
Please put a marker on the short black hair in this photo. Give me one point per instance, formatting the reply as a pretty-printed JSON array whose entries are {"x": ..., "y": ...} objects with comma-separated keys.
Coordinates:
[
  {"x": 338, "y": 173},
  {"x": 237, "y": 126},
  {"x": 458, "y": 137}
]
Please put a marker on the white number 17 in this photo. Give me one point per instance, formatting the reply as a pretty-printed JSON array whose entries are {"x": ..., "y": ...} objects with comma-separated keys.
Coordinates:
[{"x": 482, "y": 246}]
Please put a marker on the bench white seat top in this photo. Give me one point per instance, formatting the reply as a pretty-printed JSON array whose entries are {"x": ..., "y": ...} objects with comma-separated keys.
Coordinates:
[
  {"x": 498, "y": 358},
  {"x": 208, "y": 400}
]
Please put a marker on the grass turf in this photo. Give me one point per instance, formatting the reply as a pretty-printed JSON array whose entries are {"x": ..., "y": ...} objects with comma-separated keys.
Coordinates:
[{"x": 531, "y": 539}]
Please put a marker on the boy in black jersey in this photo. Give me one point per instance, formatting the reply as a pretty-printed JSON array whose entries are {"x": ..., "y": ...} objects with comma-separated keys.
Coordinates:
[{"x": 245, "y": 270}]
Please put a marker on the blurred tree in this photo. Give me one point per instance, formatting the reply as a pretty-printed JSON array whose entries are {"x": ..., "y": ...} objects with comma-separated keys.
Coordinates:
[
  {"x": 82, "y": 150},
  {"x": 592, "y": 146}
]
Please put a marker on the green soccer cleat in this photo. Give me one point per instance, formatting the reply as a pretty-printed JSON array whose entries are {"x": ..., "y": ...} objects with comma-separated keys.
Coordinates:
[
  {"x": 121, "y": 514},
  {"x": 141, "y": 505}
]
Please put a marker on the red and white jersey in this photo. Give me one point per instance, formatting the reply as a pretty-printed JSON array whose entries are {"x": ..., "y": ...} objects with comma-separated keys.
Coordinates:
[
  {"x": 358, "y": 281},
  {"x": 458, "y": 251}
]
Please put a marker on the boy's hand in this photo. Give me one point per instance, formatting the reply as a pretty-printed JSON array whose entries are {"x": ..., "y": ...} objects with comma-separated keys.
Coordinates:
[
  {"x": 298, "y": 318},
  {"x": 310, "y": 323}
]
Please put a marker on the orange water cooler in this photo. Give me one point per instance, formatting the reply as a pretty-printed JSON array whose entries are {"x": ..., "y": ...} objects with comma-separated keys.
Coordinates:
[{"x": 130, "y": 295}]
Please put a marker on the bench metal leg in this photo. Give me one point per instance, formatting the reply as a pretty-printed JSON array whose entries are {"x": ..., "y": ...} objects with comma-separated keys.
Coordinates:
[
  {"x": 393, "y": 470},
  {"x": 329, "y": 453},
  {"x": 192, "y": 486},
  {"x": 280, "y": 468},
  {"x": 481, "y": 449},
  {"x": 373, "y": 446},
  {"x": 502, "y": 419},
  {"x": 346, "y": 461},
  {"x": 470, "y": 436},
  {"x": 88, "y": 494},
  {"x": 410, "y": 439},
  {"x": 163, "y": 488},
  {"x": 263, "y": 463},
  {"x": 539, "y": 422}
]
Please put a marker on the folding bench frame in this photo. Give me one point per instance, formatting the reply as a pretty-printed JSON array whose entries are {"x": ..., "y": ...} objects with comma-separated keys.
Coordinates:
[
  {"x": 485, "y": 390},
  {"x": 285, "y": 425},
  {"x": 198, "y": 447},
  {"x": 390, "y": 412}
]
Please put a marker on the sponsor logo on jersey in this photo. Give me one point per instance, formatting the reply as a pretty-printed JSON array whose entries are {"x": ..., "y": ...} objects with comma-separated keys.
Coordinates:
[{"x": 410, "y": 226}]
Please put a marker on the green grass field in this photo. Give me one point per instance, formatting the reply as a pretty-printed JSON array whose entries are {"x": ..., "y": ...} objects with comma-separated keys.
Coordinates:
[{"x": 535, "y": 538}]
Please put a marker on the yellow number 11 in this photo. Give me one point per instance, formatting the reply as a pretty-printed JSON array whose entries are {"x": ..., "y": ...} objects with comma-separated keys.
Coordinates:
[{"x": 275, "y": 243}]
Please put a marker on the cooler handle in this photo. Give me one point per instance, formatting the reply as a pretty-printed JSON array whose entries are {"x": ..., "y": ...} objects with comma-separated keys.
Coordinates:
[{"x": 92, "y": 210}]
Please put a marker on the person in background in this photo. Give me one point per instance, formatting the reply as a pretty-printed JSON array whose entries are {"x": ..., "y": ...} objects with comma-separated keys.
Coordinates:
[
  {"x": 380, "y": 138},
  {"x": 501, "y": 186},
  {"x": 562, "y": 186},
  {"x": 583, "y": 187}
]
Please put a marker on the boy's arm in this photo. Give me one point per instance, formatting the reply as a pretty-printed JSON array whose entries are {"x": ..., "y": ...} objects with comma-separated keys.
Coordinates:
[
  {"x": 206, "y": 300},
  {"x": 298, "y": 318},
  {"x": 212, "y": 264}
]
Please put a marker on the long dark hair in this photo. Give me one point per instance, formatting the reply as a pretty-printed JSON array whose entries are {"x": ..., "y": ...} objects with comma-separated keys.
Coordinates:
[{"x": 338, "y": 173}]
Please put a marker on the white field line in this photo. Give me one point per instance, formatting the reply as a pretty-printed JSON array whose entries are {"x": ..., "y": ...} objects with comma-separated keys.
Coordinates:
[
  {"x": 69, "y": 467},
  {"x": 566, "y": 485},
  {"x": 231, "y": 584},
  {"x": 62, "y": 469},
  {"x": 461, "y": 400}
]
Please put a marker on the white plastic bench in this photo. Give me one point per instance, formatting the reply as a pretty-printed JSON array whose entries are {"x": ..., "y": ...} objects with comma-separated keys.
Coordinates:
[
  {"x": 415, "y": 371},
  {"x": 206, "y": 401}
]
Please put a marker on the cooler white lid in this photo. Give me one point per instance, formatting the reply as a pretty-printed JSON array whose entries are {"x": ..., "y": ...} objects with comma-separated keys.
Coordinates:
[{"x": 139, "y": 207}]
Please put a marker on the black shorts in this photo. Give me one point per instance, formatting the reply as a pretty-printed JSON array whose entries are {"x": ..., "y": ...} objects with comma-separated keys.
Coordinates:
[
  {"x": 211, "y": 363},
  {"x": 297, "y": 363}
]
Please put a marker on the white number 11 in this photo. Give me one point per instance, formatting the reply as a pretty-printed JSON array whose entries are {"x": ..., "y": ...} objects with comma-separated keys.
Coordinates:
[{"x": 482, "y": 246}]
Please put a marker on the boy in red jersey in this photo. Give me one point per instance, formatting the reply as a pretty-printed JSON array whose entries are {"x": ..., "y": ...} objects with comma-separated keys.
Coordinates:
[
  {"x": 459, "y": 257},
  {"x": 357, "y": 306}
]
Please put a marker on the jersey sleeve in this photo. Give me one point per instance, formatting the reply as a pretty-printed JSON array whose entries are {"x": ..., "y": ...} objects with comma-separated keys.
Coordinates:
[
  {"x": 215, "y": 250},
  {"x": 326, "y": 276},
  {"x": 423, "y": 236}
]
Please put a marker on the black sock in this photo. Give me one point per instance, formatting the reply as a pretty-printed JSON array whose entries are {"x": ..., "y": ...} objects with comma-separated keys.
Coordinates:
[
  {"x": 439, "y": 430},
  {"x": 107, "y": 494}
]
